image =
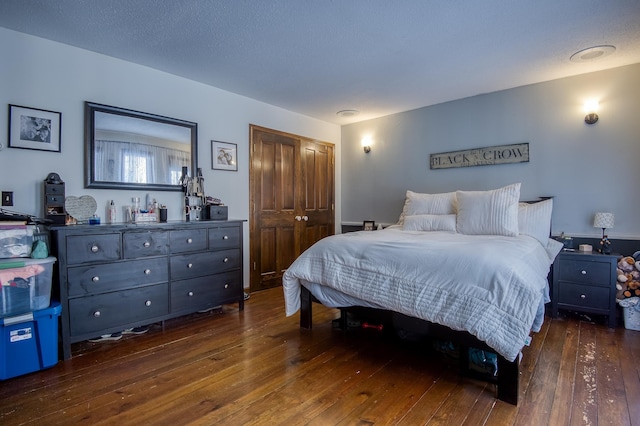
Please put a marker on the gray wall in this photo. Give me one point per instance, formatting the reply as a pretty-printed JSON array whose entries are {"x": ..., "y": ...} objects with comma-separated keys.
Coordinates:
[
  {"x": 43, "y": 74},
  {"x": 587, "y": 168}
]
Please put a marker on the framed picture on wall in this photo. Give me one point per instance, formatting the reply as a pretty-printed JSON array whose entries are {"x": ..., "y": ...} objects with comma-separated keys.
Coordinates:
[
  {"x": 224, "y": 156},
  {"x": 32, "y": 128},
  {"x": 369, "y": 225}
]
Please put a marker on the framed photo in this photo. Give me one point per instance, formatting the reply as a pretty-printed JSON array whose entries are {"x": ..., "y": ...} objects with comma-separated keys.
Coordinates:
[
  {"x": 368, "y": 225},
  {"x": 32, "y": 128},
  {"x": 224, "y": 156}
]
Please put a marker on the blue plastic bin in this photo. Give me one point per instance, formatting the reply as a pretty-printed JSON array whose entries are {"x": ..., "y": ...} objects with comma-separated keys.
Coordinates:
[{"x": 29, "y": 342}]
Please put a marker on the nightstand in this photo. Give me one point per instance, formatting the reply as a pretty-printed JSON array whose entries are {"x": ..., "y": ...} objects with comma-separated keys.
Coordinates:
[{"x": 585, "y": 282}]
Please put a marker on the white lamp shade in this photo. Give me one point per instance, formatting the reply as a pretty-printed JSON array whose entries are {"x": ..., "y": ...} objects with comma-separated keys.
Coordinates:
[{"x": 603, "y": 220}]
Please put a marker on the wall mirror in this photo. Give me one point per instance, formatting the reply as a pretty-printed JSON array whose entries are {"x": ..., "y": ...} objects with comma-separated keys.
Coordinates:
[{"x": 126, "y": 149}]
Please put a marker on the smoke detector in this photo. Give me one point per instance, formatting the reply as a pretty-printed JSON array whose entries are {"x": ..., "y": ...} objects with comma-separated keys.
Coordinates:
[
  {"x": 594, "y": 53},
  {"x": 345, "y": 113}
]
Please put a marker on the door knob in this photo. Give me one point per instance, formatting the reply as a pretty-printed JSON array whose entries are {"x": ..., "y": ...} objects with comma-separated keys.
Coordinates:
[
  {"x": 305, "y": 218},
  {"x": 298, "y": 218}
]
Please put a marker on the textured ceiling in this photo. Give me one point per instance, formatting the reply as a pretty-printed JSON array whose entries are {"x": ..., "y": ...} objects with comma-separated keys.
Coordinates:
[{"x": 317, "y": 57}]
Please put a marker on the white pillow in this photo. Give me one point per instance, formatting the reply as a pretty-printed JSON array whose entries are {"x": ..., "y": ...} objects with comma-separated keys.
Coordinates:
[
  {"x": 535, "y": 220},
  {"x": 430, "y": 222},
  {"x": 419, "y": 204},
  {"x": 492, "y": 212}
]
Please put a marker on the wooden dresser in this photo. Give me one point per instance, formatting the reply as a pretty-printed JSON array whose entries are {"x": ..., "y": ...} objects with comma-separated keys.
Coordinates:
[{"x": 116, "y": 276}]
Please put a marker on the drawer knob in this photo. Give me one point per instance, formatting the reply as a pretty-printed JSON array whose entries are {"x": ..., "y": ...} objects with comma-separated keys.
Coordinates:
[
  {"x": 147, "y": 271},
  {"x": 583, "y": 272},
  {"x": 95, "y": 279},
  {"x": 94, "y": 248},
  {"x": 96, "y": 314},
  {"x": 226, "y": 286},
  {"x": 147, "y": 303},
  {"x": 582, "y": 296},
  {"x": 190, "y": 294},
  {"x": 226, "y": 237},
  {"x": 226, "y": 259},
  {"x": 147, "y": 244},
  {"x": 189, "y": 265},
  {"x": 189, "y": 240}
]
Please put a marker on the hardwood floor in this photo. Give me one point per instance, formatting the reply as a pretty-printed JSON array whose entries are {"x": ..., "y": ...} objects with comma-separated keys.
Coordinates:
[{"x": 258, "y": 367}]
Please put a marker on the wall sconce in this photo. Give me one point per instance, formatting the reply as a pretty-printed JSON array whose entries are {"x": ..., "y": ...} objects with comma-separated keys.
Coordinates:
[
  {"x": 366, "y": 144},
  {"x": 591, "y": 108}
]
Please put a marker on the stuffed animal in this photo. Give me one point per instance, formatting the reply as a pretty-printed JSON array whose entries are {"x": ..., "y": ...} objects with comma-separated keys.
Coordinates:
[{"x": 628, "y": 281}]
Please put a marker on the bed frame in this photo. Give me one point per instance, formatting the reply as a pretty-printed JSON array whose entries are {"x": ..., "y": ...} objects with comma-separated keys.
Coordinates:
[{"x": 507, "y": 383}]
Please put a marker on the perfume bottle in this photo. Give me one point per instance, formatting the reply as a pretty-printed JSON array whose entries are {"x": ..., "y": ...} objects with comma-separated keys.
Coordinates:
[{"x": 111, "y": 213}]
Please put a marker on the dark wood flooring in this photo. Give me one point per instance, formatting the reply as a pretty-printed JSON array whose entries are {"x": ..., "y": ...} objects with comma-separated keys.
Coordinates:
[{"x": 258, "y": 367}]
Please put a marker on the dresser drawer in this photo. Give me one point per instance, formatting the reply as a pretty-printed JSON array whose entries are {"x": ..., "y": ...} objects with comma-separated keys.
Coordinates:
[
  {"x": 205, "y": 292},
  {"x": 83, "y": 280},
  {"x": 584, "y": 296},
  {"x": 54, "y": 189},
  {"x": 95, "y": 313},
  {"x": 93, "y": 248},
  {"x": 187, "y": 240},
  {"x": 582, "y": 271},
  {"x": 206, "y": 263},
  {"x": 148, "y": 243},
  {"x": 54, "y": 200},
  {"x": 224, "y": 238}
]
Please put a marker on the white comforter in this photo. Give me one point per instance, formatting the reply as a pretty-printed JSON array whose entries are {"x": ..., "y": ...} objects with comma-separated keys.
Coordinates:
[{"x": 490, "y": 286}]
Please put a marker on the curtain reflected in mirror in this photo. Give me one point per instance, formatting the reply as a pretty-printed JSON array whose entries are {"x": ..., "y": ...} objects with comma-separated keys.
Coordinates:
[
  {"x": 130, "y": 162},
  {"x": 131, "y": 149}
]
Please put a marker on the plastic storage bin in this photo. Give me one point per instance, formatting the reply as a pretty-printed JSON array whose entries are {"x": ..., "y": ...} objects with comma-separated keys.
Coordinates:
[
  {"x": 25, "y": 285},
  {"x": 631, "y": 313},
  {"x": 29, "y": 342},
  {"x": 15, "y": 240}
]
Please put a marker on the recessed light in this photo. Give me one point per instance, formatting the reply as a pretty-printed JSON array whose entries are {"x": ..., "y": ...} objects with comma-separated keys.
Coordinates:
[
  {"x": 594, "y": 53},
  {"x": 347, "y": 113}
]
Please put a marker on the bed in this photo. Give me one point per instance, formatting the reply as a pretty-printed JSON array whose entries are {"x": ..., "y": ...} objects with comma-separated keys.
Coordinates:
[{"x": 470, "y": 265}]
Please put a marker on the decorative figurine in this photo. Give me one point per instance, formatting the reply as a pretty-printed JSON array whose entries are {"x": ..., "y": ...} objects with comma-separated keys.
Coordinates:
[
  {"x": 605, "y": 245},
  {"x": 185, "y": 182}
]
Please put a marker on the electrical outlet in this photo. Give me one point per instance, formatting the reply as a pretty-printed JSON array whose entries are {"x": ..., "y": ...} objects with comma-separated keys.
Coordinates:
[{"x": 7, "y": 198}]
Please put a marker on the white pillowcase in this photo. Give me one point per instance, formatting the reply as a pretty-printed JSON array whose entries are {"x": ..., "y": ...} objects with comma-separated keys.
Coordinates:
[
  {"x": 430, "y": 222},
  {"x": 420, "y": 204},
  {"x": 492, "y": 212},
  {"x": 535, "y": 220}
]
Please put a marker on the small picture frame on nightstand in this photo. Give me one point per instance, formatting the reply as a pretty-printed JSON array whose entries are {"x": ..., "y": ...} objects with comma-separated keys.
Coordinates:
[{"x": 368, "y": 225}]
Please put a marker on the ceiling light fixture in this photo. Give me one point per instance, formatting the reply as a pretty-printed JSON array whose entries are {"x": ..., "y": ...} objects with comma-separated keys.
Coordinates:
[
  {"x": 346, "y": 113},
  {"x": 594, "y": 53}
]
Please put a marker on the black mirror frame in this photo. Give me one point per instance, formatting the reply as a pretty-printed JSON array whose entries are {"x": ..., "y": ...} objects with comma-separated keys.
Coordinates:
[{"x": 89, "y": 126}]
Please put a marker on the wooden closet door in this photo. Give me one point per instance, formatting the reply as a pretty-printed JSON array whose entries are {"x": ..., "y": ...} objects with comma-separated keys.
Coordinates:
[
  {"x": 317, "y": 201},
  {"x": 291, "y": 201}
]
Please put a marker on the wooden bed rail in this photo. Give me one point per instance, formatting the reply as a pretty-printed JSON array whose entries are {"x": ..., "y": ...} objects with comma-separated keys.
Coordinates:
[{"x": 507, "y": 381}]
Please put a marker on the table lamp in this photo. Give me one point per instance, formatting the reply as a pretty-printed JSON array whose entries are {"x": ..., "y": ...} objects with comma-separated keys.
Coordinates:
[{"x": 604, "y": 221}]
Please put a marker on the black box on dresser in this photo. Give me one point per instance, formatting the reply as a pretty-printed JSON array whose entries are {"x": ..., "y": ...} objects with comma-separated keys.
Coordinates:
[{"x": 216, "y": 213}]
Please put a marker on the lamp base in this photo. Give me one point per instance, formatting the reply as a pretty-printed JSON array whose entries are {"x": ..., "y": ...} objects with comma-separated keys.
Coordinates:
[{"x": 605, "y": 244}]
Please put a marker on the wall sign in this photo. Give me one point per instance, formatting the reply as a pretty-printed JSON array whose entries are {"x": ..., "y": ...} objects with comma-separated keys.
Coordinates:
[{"x": 501, "y": 154}]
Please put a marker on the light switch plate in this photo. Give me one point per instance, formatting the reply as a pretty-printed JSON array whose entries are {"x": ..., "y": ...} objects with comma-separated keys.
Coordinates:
[{"x": 7, "y": 198}]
